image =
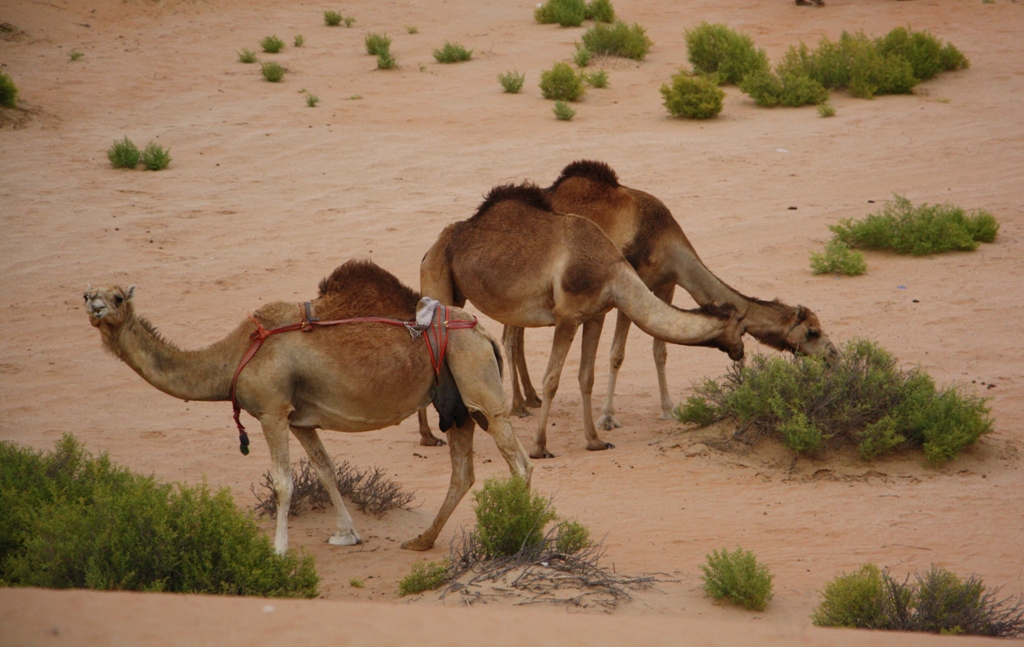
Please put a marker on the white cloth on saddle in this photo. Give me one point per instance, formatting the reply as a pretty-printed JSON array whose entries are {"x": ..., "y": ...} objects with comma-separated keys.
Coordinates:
[{"x": 425, "y": 310}]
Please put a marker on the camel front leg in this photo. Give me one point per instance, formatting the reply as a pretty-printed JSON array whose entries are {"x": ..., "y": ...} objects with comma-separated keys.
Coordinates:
[
  {"x": 529, "y": 393},
  {"x": 460, "y": 441},
  {"x": 622, "y": 323},
  {"x": 660, "y": 351},
  {"x": 275, "y": 430},
  {"x": 427, "y": 438},
  {"x": 346, "y": 534},
  {"x": 588, "y": 357},
  {"x": 565, "y": 331}
]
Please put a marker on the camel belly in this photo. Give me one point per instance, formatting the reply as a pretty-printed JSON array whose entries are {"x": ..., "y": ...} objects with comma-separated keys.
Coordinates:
[{"x": 352, "y": 419}]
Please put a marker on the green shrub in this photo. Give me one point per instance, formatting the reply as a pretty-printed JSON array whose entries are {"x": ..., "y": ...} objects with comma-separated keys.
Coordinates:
[
  {"x": 299, "y": 40},
  {"x": 377, "y": 43},
  {"x": 74, "y": 55},
  {"x": 561, "y": 83},
  {"x": 598, "y": 79},
  {"x": 8, "y": 91},
  {"x": 838, "y": 258},
  {"x": 155, "y": 158},
  {"x": 567, "y": 13},
  {"x": 952, "y": 58},
  {"x": 716, "y": 49},
  {"x": 247, "y": 56},
  {"x": 272, "y": 71},
  {"x": 738, "y": 577},
  {"x": 854, "y": 600},
  {"x": 412, "y": 29},
  {"x": 826, "y": 110},
  {"x": 357, "y": 583},
  {"x": 512, "y": 81},
  {"x": 386, "y": 60},
  {"x": 124, "y": 154},
  {"x": 72, "y": 521},
  {"x": 600, "y": 11},
  {"x": 768, "y": 89},
  {"x": 693, "y": 97},
  {"x": 424, "y": 577},
  {"x": 861, "y": 399},
  {"x": 582, "y": 57},
  {"x": 563, "y": 112},
  {"x": 620, "y": 39},
  {"x": 452, "y": 53},
  {"x": 926, "y": 229},
  {"x": 349, "y": 20},
  {"x": 312, "y": 100},
  {"x": 509, "y": 517},
  {"x": 272, "y": 44},
  {"x": 332, "y": 18},
  {"x": 572, "y": 537}
]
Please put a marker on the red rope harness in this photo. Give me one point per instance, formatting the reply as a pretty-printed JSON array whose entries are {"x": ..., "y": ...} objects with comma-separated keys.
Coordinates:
[{"x": 435, "y": 336}]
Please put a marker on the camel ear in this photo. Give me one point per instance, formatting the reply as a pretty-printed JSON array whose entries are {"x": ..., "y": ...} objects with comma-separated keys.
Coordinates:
[
  {"x": 130, "y": 292},
  {"x": 801, "y": 313}
]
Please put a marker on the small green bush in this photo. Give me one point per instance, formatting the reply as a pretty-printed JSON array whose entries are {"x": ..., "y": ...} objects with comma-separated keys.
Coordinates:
[
  {"x": 838, "y": 258},
  {"x": 312, "y": 100},
  {"x": 600, "y": 11},
  {"x": 926, "y": 229},
  {"x": 8, "y": 91},
  {"x": 349, "y": 20},
  {"x": 563, "y": 112},
  {"x": 567, "y": 13},
  {"x": 299, "y": 40},
  {"x": 561, "y": 83},
  {"x": 582, "y": 57},
  {"x": 598, "y": 79},
  {"x": 247, "y": 56},
  {"x": 620, "y": 39},
  {"x": 452, "y": 53},
  {"x": 738, "y": 577},
  {"x": 386, "y": 60},
  {"x": 272, "y": 44},
  {"x": 731, "y": 55},
  {"x": 854, "y": 600},
  {"x": 693, "y": 97},
  {"x": 509, "y": 517},
  {"x": 412, "y": 29},
  {"x": 572, "y": 537},
  {"x": 272, "y": 71},
  {"x": 155, "y": 158},
  {"x": 952, "y": 58},
  {"x": 826, "y": 110},
  {"x": 357, "y": 583},
  {"x": 74, "y": 55},
  {"x": 332, "y": 18},
  {"x": 768, "y": 89},
  {"x": 512, "y": 81},
  {"x": 424, "y": 577},
  {"x": 377, "y": 43},
  {"x": 124, "y": 154}
]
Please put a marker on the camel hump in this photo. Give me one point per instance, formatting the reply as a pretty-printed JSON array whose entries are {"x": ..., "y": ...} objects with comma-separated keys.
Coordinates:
[
  {"x": 590, "y": 170},
  {"x": 526, "y": 193},
  {"x": 361, "y": 288}
]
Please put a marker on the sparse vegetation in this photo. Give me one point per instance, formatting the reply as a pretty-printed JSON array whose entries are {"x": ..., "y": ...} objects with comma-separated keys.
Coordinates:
[
  {"x": 299, "y": 40},
  {"x": 769, "y": 89},
  {"x": 728, "y": 54},
  {"x": 124, "y": 154},
  {"x": 155, "y": 158},
  {"x": 332, "y": 18},
  {"x": 572, "y": 537},
  {"x": 272, "y": 44},
  {"x": 272, "y": 71},
  {"x": 582, "y": 57},
  {"x": 598, "y": 79},
  {"x": 600, "y": 11},
  {"x": 349, "y": 20},
  {"x": 312, "y": 100},
  {"x": 386, "y": 60},
  {"x": 826, "y": 110},
  {"x": 512, "y": 81},
  {"x": 926, "y": 229},
  {"x": 739, "y": 578},
  {"x": 246, "y": 56},
  {"x": 563, "y": 112},
  {"x": 509, "y": 517},
  {"x": 861, "y": 399},
  {"x": 452, "y": 53},
  {"x": 561, "y": 83},
  {"x": 412, "y": 29},
  {"x": 72, "y": 520},
  {"x": 8, "y": 91},
  {"x": 377, "y": 43},
  {"x": 424, "y": 576},
  {"x": 937, "y": 601},
  {"x": 838, "y": 258},
  {"x": 74, "y": 55},
  {"x": 620, "y": 39},
  {"x": 357, "y": 583},
  {"x": 567, "y": 13},
  {"x": 693, "y": 97}
]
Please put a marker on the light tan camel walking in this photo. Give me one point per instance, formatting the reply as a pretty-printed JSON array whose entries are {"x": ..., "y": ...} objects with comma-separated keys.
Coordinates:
[
  {"x": 352, "y": 377},
  {"x": 525, "y": 265}
]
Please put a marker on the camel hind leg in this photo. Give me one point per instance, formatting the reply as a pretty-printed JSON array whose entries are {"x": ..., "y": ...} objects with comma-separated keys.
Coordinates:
[{"x": 346, "y": 534}]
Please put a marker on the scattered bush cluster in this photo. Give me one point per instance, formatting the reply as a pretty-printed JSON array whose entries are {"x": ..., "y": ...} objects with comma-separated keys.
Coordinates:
[
  {"x": 620, "y": 39},
  {"x": 561, "y": 83},
  {"x": 739, "y": 578},
  {"x": 730, "y": 55},
  {"x": 572, "y": 13},
  {"x": 125, "y": 154},
  {"x": 75, "y": 521},
  {"x": 938, "y": 601},
  {"x": 838, "y": 258},
  {"x": 334, "y": 18},
  {"x": 694, "y": 97},
  {"x": 8, "y": 91},
  {"x": 379, "y": 45},
  {"x": 862, "y": 398},
  {"x": 452, "y": 53}
]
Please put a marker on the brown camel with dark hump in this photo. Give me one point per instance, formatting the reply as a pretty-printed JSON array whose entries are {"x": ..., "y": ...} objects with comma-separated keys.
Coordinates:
[
  {"x": 643, "y": 228},
  {"x": 525, "y": 265},
  {"x": 350, "y": 377}
]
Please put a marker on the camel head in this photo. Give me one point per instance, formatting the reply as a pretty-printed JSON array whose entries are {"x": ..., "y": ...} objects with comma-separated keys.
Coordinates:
[
  {"x": 109, "y": 305},
  {"x": 805, "y": 336}
]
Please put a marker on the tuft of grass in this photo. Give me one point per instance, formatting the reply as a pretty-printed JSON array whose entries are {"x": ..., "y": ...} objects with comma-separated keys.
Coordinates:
[
  {"x": 386, "y": 60},
  {"x": 561, "y": 83},
  {"x": 838, "y": 258},
  {"x": 452, "y": 53},
  {"x": 693, "y": 97},
  {"x": 74, "y": 55},
  {"x": 246, "y": 56},
  {"x": 563, "y": 112},
  {"x": 509, "y": 516},
  {"x": 598, "y": 79},
  {"x": 925, "y": 229},
  {"x": 357, "y": 583},
  {"x": 8, "y": 91},
  {"x": 512, "y": 81},
  {"x": 72, "y": 520},
  {"x": 332, "y": 18},
  {"x": 567, "y": 13},
  {"x": 572, "y": 537},
  {"x": 377, "y": 43},
  {"x": 769, "y": 89},
  {"x": 717, "y": 49},
  {"x": 412, "y": 29},
  {"x": 272, "y": 44},
  {"x": 739, "y": 578},
  {"x": 299, "y": 40},
  {"x": 861, "y": 399},
  {"x": 312, "y": 100},
  {"x": 349, "y": 20},
  {"x": 582, "y": 57},
  {"x": 620, "y": 39},
  {"x": 600, "y": 11},
  {"x": 826, "y": 109},
  {"x": 937, "y": 601},
  {"x": 155, "y": 158},
  {"x": 124, "y": 154},
  {"x": 272, "y": 71},
  {"x": 424, "y": 577}
]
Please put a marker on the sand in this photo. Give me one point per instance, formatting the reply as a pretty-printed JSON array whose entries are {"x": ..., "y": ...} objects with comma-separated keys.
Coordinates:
[{"x": 265, "y": 196}]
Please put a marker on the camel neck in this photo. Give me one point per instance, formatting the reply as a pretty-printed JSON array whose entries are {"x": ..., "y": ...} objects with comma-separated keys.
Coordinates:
[{"x": 658, "y": 319}]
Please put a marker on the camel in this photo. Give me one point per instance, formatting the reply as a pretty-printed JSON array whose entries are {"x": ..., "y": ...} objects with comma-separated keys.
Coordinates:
[
  {"x": 525, "y": 265},
  {"x": 643, "y": 228},
  {"x": 354, "y": 377}
]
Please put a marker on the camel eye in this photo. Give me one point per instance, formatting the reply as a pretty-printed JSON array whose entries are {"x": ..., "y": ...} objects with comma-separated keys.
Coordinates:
[
  {"x": 118, "y": 299},
  {"x": 813, "y": 333}
]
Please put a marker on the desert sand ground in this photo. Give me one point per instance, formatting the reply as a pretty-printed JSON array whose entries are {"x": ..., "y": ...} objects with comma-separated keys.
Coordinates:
[{"x": 265, "y": 196}]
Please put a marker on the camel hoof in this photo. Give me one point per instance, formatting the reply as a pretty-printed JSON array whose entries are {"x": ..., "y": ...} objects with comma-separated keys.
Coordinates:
[
  {"x": 431, "y": 441},
  {"x": 599, "y": 445},
  {"x": 534, "y": 402},
  {"x": 417, "y": 544},
  {"x": 521, "y": 412},
  {"x": 667, "y": 415},
  {"x": 607, "y": 422},
  {"x": 543, "y": 453},
  {"x": 349, "y": 538}
]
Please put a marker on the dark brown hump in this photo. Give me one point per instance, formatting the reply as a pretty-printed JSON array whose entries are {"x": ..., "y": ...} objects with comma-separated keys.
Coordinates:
[
  {"x": 361, "y": 288},
  {"x": 526, "y": 193},
  {"x": 589, "y": 169}
]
